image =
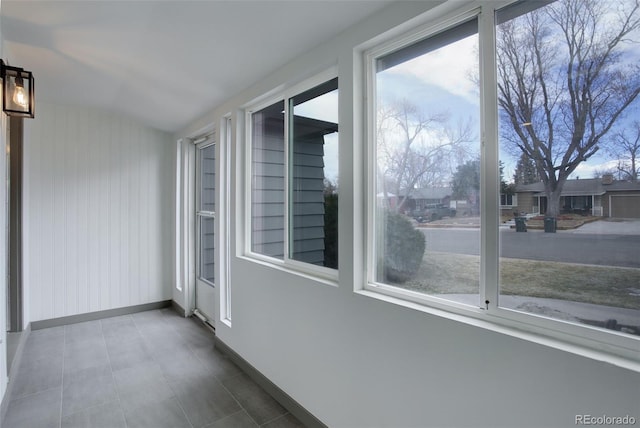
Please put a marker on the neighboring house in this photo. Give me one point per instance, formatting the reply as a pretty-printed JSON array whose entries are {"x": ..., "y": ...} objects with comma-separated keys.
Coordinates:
[
  {"x": 421, "y": 198},
  {"x": 388, "y": 200},
  {"x": 595, "y": 196}
]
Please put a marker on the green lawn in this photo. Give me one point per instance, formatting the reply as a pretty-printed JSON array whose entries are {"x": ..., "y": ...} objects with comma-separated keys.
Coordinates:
[{"x": 445, "y": 273}]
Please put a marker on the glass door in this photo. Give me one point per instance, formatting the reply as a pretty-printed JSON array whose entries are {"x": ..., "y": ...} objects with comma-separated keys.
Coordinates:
[{"x": 205, "y": 227}]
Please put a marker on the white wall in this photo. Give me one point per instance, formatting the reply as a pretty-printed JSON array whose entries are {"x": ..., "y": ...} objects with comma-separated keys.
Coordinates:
[
  {"x": 356, "y": 361},
  {"x": 99, "y": 192}
]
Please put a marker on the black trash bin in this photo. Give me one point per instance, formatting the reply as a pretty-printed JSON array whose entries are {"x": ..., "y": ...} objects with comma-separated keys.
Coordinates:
[
  {"x": 521, "y": 224},
  {"x": 550, "y": 224}
]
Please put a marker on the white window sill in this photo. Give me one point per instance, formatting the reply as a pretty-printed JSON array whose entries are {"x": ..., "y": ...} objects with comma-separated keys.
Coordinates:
[
  {"x": 598, "y": 352},
  {"x": 325, "y": 278}
]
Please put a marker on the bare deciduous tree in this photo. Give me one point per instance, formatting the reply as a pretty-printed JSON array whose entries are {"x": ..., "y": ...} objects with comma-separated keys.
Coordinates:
[
  {"x": 563, "y": 82},
  {"x": 416, "y": 150},
  {"x": 627, "y": 150}
]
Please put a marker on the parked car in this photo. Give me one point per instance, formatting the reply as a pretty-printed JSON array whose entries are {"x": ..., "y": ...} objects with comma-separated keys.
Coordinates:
[{"x": 433, "y": 212}]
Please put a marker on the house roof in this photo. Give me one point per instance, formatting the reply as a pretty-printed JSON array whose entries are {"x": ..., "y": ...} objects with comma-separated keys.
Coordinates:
[
  {"x": 582, "y": 187},
  {"x": 432, "y": 193},
  {"x": 306, "y": 127}
]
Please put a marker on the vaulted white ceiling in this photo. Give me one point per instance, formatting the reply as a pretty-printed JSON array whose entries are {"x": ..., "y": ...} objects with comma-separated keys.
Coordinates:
[{"x": 164, "y": 62}]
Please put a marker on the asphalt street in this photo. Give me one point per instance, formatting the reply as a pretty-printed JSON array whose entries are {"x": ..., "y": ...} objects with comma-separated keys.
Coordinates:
[{"x": 586, "y": 248}]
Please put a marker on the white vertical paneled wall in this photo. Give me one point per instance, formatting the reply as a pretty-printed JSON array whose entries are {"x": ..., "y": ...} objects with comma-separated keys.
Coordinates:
[{"x": 99, "y": 212}]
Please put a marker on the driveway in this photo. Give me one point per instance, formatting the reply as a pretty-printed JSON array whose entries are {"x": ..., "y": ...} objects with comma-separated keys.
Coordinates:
[{"x": 611, "y": 226}]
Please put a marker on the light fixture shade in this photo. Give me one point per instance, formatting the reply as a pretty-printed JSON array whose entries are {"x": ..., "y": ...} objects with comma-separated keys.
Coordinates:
[{"x": 17, "y": 92}]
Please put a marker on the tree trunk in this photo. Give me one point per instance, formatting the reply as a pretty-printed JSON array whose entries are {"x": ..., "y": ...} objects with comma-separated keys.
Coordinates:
[{"x": 553, "y": 202}]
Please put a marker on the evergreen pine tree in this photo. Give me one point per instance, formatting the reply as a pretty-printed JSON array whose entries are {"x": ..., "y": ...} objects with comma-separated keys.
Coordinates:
[{"x": 525, "y": 171}]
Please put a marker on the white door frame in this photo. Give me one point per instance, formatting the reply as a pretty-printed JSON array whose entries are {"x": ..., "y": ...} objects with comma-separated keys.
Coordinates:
[
  {"x": 187, "y": 233},
  {"x": 204, "y": 290}
]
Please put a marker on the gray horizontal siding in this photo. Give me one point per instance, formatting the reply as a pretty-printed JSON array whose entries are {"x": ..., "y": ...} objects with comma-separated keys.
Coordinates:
[
  {"x": 309, "y": 159},
  {"x": 269, "y": 156},
  {"x": 268, "y": 172},
  {"x": 208, "y": 178},
  {"x": 271, "y": 249},
  {"x": 308, "y": 196},
  {"x": 207, "y": 248},
  {"x": 267, "y": 210},
  {"x": 308, "y": 232},
  {"x": 267, "y": 236},
  {"x": 308, "y": 172},
  {"x": 308, "y": 184},
  {"x": 313, "y": 220},
  {"x": 262, "y": 169},
  {"x": 307, "y": 209},
  {"x": 307, "y": 245},
  {"x": 266, "y": 183},
  {"x": 272, "y": 223},
  {"x": 268, "y": 186},
  {"x": 268, "y": 196}
]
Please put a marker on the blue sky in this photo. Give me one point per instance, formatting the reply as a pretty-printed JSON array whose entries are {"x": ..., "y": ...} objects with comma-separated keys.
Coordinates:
[{"x": 440, "y": 81}]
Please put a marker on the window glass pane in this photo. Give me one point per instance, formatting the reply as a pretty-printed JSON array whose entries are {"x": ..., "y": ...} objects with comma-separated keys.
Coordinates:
[
  {"x": 207, "y": 249},
  {"x": 567, "y": 93},
  {"x": 267, "y": 181},
  {"x": 428, "y": 166},
  {"x": 208, "y": 178},
  {"x": 314, "y": 176}
]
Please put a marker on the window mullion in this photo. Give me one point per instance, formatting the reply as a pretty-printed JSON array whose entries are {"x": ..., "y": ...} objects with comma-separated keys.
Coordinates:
[
  {"x": 373, "y": 237},
  {"x": 490, "y": 175},
  {"x": 288, "y": 173}
]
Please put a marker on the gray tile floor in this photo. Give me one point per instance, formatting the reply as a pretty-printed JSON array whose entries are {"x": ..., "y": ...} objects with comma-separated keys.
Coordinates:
[{"x": 151, "y": 369}]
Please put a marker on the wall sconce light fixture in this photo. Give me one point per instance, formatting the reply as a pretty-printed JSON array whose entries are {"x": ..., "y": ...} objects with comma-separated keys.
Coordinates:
[{"x": 17, "y": 91}]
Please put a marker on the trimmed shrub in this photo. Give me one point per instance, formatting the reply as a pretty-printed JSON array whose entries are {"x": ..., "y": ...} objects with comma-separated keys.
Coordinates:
[
  {"x": 331, "y": 230},
  {"x": 403, "y": 248}
]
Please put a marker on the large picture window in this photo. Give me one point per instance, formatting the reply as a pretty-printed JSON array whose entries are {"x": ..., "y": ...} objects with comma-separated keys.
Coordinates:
[
  {"x": 427, "y": 158},
  {"x": 294, "y": 178},
  {"x": 563, "y": 93},
  {"x": 503, "y": 168}
]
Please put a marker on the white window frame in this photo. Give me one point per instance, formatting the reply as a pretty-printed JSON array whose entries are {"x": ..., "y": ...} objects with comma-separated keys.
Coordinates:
[
  {"x": 514, "y": 200},
  {"x": 185, "y": 218},
  {"x": 324, "y": 274},
  {"x": 223, "y": 225},
  {"x": 577, "y": 338},
  {"x": 179, "y": 205}
]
